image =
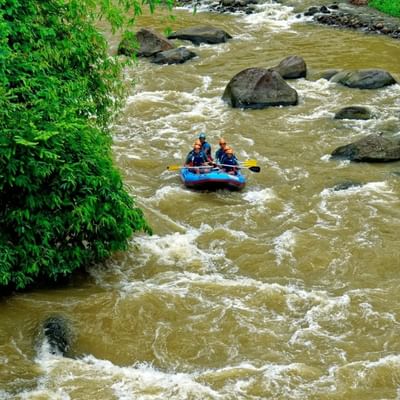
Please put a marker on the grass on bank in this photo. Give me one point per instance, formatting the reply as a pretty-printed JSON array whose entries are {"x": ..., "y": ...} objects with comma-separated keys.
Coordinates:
[{"x": 390, "y": 7}]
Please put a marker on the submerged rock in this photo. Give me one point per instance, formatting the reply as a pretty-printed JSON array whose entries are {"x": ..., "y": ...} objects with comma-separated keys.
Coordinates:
[
  {"x": 373, "y": 148},
  {"x": 259, "y": 88},
  {"x": 364, "y": 78},
  {"x": 174, "y": 56},
  {"x": 201, "y": 34},
  {"x": 346, "y": 185},
  {"x": 353, "y": 112}
]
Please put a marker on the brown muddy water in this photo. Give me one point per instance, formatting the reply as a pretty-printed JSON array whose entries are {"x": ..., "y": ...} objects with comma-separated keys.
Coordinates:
[{"x": 285, "y": 290}]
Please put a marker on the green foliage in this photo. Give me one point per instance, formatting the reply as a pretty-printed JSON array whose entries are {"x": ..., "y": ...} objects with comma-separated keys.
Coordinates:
[
  {"x": 62, "y": 202},
  {"x": 391, "y": 7}
]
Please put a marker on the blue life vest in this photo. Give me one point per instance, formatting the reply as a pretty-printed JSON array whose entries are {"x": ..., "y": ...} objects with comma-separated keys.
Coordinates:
[
  {"x": 219, "y": 155},
  {"x": 206, "y": 148},
  {"x": 196, "y": 159},
  {"x": 230, "y": 161}
]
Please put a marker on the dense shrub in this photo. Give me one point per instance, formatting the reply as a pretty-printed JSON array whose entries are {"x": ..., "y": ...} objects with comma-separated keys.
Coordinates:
[
  {"x": 391, "y": 7},
  {"x": 62, "y": 202}
]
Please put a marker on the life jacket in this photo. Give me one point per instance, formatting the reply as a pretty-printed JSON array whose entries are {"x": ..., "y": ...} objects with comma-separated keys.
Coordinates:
[
  {"x": 206, "y": 148},
  {"x": 230, "y": 161},
  {"x": 196, "y": 159},
  {"x": 219, "y": 155}
]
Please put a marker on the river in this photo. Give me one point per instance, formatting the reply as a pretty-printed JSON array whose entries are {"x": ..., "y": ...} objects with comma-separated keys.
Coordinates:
[{"x": 285, "y": 290}]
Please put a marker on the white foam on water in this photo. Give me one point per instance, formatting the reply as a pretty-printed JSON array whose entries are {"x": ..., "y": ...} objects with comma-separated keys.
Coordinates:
[
  {"x": 139, "y": 381},
  {"x": 367, "y": 191},
  {"x": 259, "y": 197},
  {"x": 283, "y": 247},
  {"x": 324, "y": 310},
  {"x": 143, "y": 96},
  {"x": 176, "y": 249},
  {"x": 277, "y": 16},
  {"x": 370, "y": 188},
  {"x": 166, "y": 192}
]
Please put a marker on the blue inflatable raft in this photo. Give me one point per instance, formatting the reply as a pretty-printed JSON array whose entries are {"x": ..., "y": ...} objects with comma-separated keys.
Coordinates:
[{"x": 213, "y": 180}]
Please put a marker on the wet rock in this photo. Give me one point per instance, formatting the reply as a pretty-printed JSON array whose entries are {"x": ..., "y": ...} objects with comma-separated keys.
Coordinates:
[
  {"x": 259, "y": 88},
  {"x": 201, "y": 34},
  {"x": 361, "y": 18},
  {"x": 324, "y": 10},
  {"x": 346, "y": 185},
  {"x": 372, "y": 148},
  {"x": 292, "y": 67},
  {"x": 174, "y": 56},
  {"x": 364, "y": 78},
  {"x": 148, "y": 43},
  {"x": 311, "y": 11},
  {"x": 353, "y": 112},
  {"x": 58, "y": 334},
  {"x": 329, "y": 73}
]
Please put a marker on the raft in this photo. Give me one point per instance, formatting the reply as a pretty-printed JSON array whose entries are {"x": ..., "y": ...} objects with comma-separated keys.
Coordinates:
[{"x": 213, "y": 180}]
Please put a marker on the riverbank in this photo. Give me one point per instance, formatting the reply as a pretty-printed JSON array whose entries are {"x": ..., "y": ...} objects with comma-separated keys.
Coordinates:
[
  {"x": 326, "y": 12},
  {"x": 362, "y": 18}
]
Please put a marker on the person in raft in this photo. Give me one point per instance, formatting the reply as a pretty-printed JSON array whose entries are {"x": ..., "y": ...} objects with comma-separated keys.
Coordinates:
[
  {"x": 205, "y": 146},
  {"x": 220, "y": 153},
  {"x": 230, "y": 163},
  {"x": 196, "y": 158}
]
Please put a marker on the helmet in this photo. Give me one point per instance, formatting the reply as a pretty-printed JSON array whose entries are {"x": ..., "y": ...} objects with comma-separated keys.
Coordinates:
[
  {"x": 229, "y": 150},
  {"x": 202, "y": 135},
  {"x": 222, "y": 141}
]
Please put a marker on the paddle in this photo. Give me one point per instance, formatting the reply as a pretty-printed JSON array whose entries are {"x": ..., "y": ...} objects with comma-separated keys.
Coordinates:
[
  {"x": 253, "y": 168},
  {"x": 250, "y": 166}
]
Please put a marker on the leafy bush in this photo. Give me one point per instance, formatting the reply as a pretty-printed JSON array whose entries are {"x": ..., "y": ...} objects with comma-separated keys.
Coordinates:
[
  {"x": 391, "y": 7},
  {"x": 62, "y": 202}
]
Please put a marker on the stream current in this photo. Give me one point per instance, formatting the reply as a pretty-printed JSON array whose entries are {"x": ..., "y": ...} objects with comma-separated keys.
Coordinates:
[{"x": 285, "y": 290}]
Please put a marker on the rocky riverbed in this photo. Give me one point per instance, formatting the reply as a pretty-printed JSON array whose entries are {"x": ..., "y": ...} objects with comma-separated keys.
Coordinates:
[
  {"x": 334, "y": 13},
  {"x": 355, "y": 17}
]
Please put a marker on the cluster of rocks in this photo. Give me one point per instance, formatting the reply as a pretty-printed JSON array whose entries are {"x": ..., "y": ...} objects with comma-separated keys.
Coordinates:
[
  {"x": 161, "y": 50},
  {"x": 360, "y": 18},
  {"x": 265, "y": 87},
  {"x": 258, "y": 88},
  {"x": 224, "y": 6},
  {"x": 234, "y": 6}
]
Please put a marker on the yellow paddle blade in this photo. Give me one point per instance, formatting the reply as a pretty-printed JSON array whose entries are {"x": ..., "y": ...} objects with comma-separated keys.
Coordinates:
[
  {"x": 249, "y": 163},
  {"x": 174, "y": 167}
]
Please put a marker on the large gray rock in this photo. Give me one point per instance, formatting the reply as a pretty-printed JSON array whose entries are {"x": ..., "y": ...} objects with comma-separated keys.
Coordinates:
[
  {"x": 364, "y": 78},
  {"x": 353, "y": 112},
  {"x": 259, "y": 88},
  {"x": 201, "y": 34},
  {"x": 174, "y": 56},
  {"x": 148, "y": 43},
  {"x": 292, "y": 67},
  {"x": 372, "y": 148},
  {"x": 58, "y": 334}
]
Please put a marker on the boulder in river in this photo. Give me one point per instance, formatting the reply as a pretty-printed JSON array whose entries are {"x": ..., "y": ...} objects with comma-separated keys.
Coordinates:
[
  {"x": 329, "y": 73},
  {"x": 353, "y": 112},
  {"x": 148, "y": 43},
  {"x": 364, "y": 78},
  {"x": 201, "y": 34},
  {"x": 372, "y": 148},
  {"x": 173, "y": 56},
  {"x": 292, "y": 67},
  {"x": 58, "y": 335},
  {"x": 259, "y": 88}
]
